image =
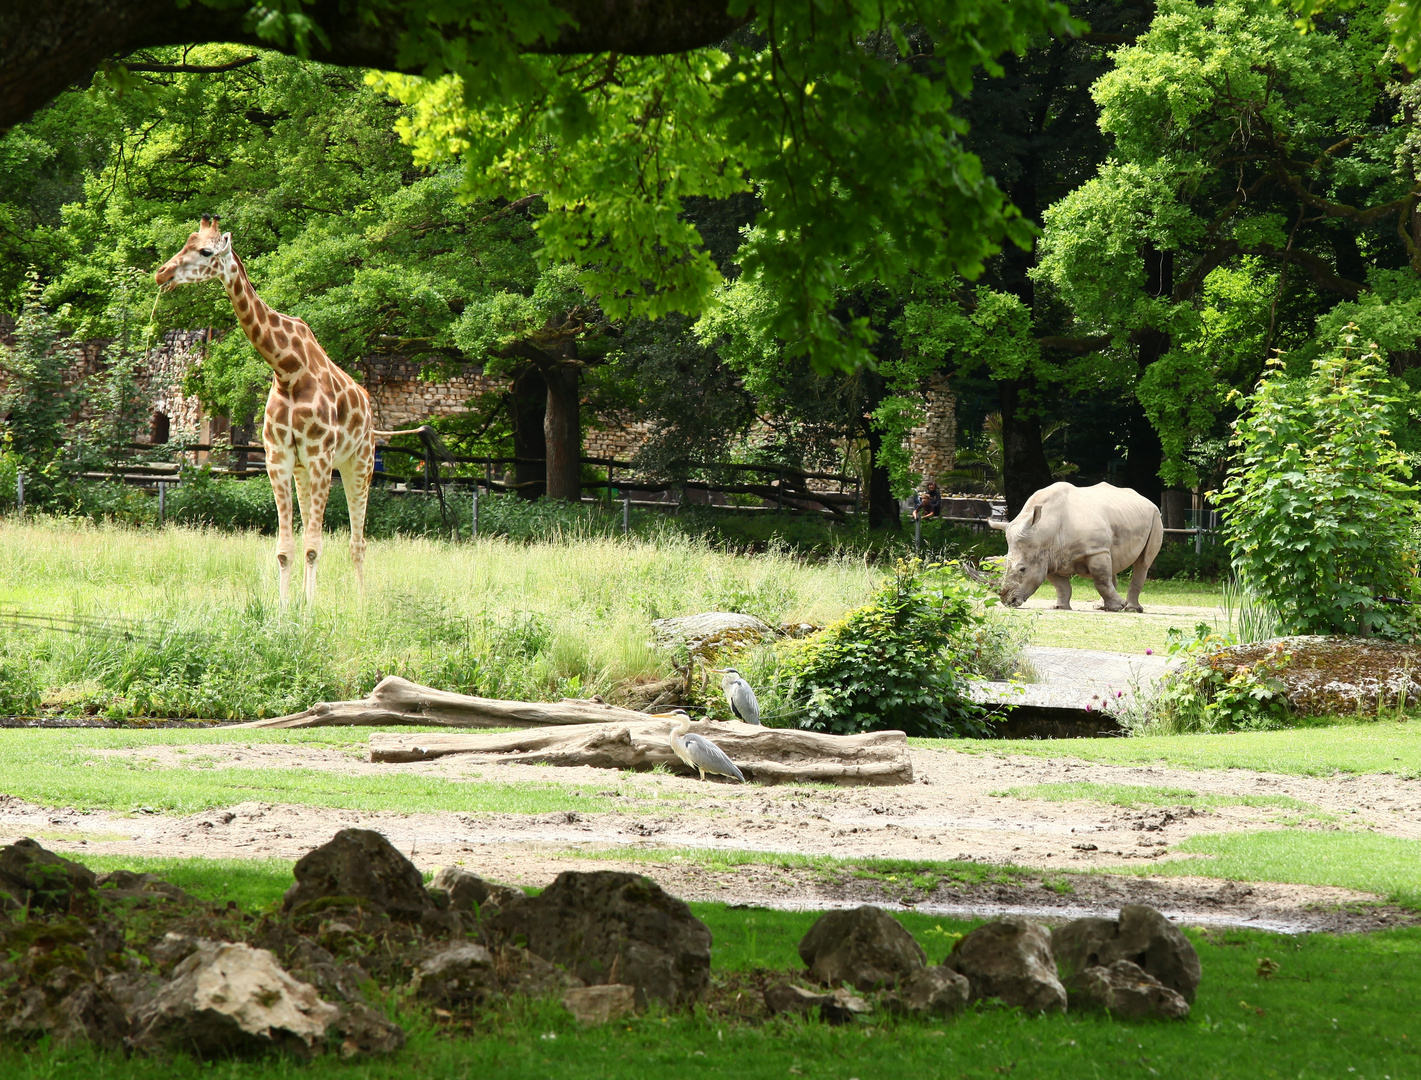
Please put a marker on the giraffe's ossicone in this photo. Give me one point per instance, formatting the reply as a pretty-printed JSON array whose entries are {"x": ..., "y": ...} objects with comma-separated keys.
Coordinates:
[{"x": 318, "y": 419}]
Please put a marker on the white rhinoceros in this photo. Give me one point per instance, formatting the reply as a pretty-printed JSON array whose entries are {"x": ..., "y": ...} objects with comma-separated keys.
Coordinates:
[{"x": 1092, "y": 531}]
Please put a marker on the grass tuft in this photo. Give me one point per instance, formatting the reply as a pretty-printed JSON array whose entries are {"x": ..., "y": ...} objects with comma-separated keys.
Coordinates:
[
  {"x": 1135, "y": 796},
  {"x": 1387, "y": 866}
]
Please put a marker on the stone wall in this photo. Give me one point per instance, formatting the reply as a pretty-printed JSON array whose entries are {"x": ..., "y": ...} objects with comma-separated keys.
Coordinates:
[
  {"x": 159, "y": 375},
  {"x": 933, "y": 445},
  {"x": 403, "y": 399}
]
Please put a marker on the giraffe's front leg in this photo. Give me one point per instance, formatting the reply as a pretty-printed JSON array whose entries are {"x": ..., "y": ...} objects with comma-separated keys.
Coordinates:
[
  {"x": 318, "y": 476},
  {"x": 279, "y": 471}
]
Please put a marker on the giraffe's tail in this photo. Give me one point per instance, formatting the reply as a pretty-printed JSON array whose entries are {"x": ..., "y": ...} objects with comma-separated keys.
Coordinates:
[
  {"x": 407, "y": 431},
  {"x": 432, "y": 442}
]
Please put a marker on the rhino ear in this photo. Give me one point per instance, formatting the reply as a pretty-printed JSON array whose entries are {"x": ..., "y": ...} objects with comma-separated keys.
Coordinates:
[{"x": 1036, "y": 514}]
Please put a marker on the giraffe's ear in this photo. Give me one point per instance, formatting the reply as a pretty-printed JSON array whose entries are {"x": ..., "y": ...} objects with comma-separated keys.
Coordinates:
[{"x": 223, "y": 245}]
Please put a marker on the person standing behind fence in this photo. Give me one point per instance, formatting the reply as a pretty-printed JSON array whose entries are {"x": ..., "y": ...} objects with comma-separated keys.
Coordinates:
[{"x": 927, "y": 504}]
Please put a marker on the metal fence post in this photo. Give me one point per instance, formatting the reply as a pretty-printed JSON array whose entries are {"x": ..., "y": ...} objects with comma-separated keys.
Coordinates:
[
  {"x": 162, "y": 501},
  {"x": 917, "y": 534},
  {"x": 20, "y": 492},
  {"x": 627, "y": 513},
  {"x": 474, "y": 520}
]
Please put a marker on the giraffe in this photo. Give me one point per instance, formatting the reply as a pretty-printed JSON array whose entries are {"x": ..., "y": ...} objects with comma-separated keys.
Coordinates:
[{"x": 318, "y": 419}]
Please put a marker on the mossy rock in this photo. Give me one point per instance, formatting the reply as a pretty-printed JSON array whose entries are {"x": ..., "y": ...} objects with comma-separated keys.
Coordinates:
[{"x": 1327, "y": 675}]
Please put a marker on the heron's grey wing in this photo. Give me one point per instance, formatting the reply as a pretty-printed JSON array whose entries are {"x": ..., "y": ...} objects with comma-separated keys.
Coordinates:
[
  {"x": 744, "y": 704},
  {"x": 704, "y": 754}
]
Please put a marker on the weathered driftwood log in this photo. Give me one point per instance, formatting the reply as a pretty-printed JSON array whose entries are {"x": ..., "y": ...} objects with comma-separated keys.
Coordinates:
[
  {"x": 399, "y": 701},
  {"x": 769, "y": 755}
]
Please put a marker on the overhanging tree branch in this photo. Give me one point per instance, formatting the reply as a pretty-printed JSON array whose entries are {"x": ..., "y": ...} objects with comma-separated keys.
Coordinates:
[
  {"x": 45, "y": 48},
  {"x": 192, "y": 69}
]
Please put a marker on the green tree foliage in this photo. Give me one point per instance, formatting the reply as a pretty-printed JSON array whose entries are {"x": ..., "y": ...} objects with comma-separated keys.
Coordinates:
[
  {"x": 1257, "y": 174},
  {"x": 840, "y": 116},
  {"x": 333, "y": 219},
  {"x": 887, "y": 665},
  {"x": 37, "y": 403},
  {"x": 1319, "y": 512}
]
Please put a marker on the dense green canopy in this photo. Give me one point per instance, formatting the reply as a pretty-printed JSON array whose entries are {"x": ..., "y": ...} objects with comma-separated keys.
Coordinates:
[{"x": 783, "y": 209}]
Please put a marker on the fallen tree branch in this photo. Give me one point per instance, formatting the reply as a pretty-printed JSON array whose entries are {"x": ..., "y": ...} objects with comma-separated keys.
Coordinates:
[
  {"x": 767, "y": 755},
  {"x": 399, "y": 701}
]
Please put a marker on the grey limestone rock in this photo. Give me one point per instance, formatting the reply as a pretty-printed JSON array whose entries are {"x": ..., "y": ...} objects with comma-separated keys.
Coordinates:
[
  {"x": 608, "y": 927},
  {"x": 592, "y": 1005},
  {"x": 363, "y": 865},
  {"x": 865, "y": 947},
  {"x": 232, "y": 999},
  {"x": 1125, "y": 990},
  {"x": 1141, "y": 935},
  {"x": 455, "y": 975},
  {"x": 41, "y": 879},
  {"x": 469, "y": 892},
  {"x": 933, "y": 991},
  {"x": 1010, "y": 959}
]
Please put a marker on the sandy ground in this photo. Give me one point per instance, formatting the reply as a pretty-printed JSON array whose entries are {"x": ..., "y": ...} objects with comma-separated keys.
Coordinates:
[{"x": 954, "y": 810}]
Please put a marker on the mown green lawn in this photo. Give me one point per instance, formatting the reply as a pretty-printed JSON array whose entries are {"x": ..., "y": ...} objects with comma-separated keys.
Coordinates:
[
  {"x": 67, "y": 768},
  {"x": 1319, "y": 749},
  {"x": 1334, "y": 1007},
  {"x": 1388, "y": 866}
]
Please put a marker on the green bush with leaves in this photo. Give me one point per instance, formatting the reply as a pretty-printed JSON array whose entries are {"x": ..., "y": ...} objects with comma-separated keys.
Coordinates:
[
  {"x": 1213, "y": 692},
  {"x": 1318, "y": 513},
  {"x": 889, "y": 664}
]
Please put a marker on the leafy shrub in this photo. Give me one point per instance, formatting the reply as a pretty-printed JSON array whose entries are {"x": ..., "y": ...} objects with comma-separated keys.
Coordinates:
[
  {"x": 203, "y": 499},
  {"x": 20, "y": 686},
  {"x": 1214, "y": 693},
  {"x": 1319, "y": 512},
  {"x": 889, "y": 663}
]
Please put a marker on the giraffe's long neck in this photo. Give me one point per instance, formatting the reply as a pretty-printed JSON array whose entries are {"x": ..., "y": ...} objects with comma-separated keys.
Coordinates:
[{"x": 255, "y": 316}]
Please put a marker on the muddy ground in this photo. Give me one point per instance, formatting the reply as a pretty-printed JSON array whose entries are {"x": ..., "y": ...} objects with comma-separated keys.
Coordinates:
[{"x": 955, "y": 810}]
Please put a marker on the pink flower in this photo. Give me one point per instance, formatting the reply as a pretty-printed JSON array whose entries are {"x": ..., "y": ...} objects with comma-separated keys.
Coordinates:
[
  {"x": 1089, "y": 707},
  {"x": 1149, "y": 652}
]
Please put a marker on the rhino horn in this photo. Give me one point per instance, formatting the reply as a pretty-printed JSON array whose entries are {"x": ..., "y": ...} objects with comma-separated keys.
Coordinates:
[
  {"x": 981, "y": 577},
  {"x": 995, "y": 524}
]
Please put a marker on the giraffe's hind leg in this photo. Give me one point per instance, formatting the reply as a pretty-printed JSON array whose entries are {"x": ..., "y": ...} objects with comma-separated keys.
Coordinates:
[{"x": 356, "y": 476}]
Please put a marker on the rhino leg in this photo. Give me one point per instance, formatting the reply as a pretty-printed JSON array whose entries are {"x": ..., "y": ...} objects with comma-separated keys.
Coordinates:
[
  {"x": 1062, "y": 585},
  {"x": 1138, "y": 573},
  {"x": 1102, "y": 572}
]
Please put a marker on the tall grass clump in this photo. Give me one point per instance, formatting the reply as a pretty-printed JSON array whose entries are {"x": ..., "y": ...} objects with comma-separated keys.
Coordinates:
[{"x": 184, "y": 622}]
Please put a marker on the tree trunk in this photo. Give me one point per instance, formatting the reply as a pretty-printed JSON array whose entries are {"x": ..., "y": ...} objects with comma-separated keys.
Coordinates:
[
  {"x": 1024, "y": 467},
  {"x": 764, "y": 755},
  {"x": 562, "y": 428},
  {"x": 1144, "y": 453},
  {"x": 882, "y": 506},
  {"x": 527, "y": 404}
]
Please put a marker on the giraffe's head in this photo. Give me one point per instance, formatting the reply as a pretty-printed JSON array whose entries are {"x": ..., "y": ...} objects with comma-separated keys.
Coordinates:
[{"x": 201, "y": 258}]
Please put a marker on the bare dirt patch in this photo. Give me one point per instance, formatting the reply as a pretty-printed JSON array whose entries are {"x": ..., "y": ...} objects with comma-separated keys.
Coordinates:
[{"x": 953, "y": 812}]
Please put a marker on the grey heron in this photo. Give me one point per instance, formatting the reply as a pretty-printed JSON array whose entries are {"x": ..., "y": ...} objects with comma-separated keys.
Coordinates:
[
  {"x": 739, "y": 696},
  {"x": 699, "y": 752}
]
